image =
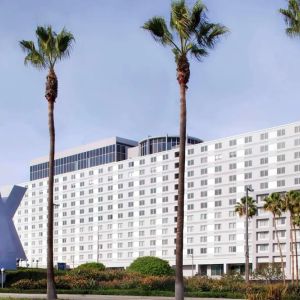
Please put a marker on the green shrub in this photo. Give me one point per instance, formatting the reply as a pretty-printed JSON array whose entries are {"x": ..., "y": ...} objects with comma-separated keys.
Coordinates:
[
  {"x": 29, "y": 284},
  {"x": 108, "y": 275},
  {"x": 158, "y": 283},
  {"x": 269, "y": 272},
  {"x": 91, "y": 266},
  {"x": 29, "y": 274},
  {"x": 199, "y": 283},
  {"x": 267, "y": 292},
  {"x": 149, "y": 265}
]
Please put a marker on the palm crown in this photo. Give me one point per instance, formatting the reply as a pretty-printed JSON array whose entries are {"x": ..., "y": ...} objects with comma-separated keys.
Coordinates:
[
  {"x": 273, "y": 204},
  {"x": 191, "y": 31},
  {"x": 292, "y": 17},
  {"x": 50, "y": 47},
  {"x": 291, "y": 202},
  {"x": 240, "y": 207}
]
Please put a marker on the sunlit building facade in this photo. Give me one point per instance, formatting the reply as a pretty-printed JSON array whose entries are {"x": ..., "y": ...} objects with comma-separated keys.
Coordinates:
[{"x": 116, "y": 200}]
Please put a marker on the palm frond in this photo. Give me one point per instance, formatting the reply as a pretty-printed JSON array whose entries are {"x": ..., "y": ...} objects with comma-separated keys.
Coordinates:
[
  {"x": 63, "y": 43},
  {"x": 291, "y": 32},
  {"x": 180, "y": 18},
  {"x": 46, "y": 42},
  {"x": 197, "y": 52},
  {"x": 35, "y": 59},
  {"x": 27, "y": 46},
  {"x": 158, "y": 28},
  {"x": 240, "y": 207},
  {"x": 42, "y": 33},
  {"x": 50, "y": 47},
  {"x": 292, "y": 18},
  {"x": 273, "y": 203},
  {"x": 190, "y": 32},
  {"x": 198, "y": 15},
  {"x": 210, "y": 33}
]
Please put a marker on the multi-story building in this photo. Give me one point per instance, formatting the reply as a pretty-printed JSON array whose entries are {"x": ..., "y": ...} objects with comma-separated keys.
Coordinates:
[{"x": 116, "y": 200}]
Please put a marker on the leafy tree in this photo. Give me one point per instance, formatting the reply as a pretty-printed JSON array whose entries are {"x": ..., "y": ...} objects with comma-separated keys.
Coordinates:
[
  {"x": 190, "y": 35},
  {"x": 241, "y": 209},
  {"x": 273, "y": 204},
  {"x": 150, "y": 265},
  {"x": 50, "y": 48}
]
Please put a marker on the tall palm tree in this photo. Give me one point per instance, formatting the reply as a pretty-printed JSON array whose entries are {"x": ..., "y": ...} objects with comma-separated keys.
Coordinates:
[
  {"x": 273, "y": 204},
  {"x": 292, "y": 18},
  {"x": 50, "y": 48},
  {"x": 296, "y": 220},
  {"x": 289, "y": 202},
  {"x": 241, "y": 209},
  {"x": 190, "y": 34}
]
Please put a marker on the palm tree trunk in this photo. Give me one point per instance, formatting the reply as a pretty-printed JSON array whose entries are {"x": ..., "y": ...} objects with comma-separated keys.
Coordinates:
[
  {"x": 280, "y": 250},
  {"x": 247, "y": 240},
  {"x": 296, "y": 254},
  {"x": 292, "y": 250},
  {"x": 182, "y": 77},
  {"x": 51, "y": 93}
]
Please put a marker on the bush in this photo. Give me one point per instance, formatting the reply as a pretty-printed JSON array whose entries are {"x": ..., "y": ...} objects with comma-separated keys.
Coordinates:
[
  {"x": 28, "y": 284},
  {"x": 29, "y": 274},
  {"x": 91, "y": 266},
  {"x": 268, "y": 272},
  {"x": 149, "y": 265},
  {"x": 199, "y": 284},
  {"x": 108, "y": 275},
  {"x": 159, "y": 283}
]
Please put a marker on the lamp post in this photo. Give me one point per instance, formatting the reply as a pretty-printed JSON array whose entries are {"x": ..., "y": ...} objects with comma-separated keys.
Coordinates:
[
  {"x": 98, "y": 244},
  {"x": 192, "y": 256},
  {"x": 2, "y": 277},
  {"x": 248, "y": 188}
]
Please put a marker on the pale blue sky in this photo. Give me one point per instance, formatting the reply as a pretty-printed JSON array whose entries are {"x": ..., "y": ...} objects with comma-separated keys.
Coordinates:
[{"x": 119, "y": 82}]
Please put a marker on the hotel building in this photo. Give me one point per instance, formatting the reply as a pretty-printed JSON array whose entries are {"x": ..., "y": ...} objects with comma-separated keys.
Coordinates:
[{"x": 116, "y": 200}]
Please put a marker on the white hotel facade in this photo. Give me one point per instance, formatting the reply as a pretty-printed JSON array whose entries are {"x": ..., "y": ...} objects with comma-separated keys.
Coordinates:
[{"x": 116, "y": 200}]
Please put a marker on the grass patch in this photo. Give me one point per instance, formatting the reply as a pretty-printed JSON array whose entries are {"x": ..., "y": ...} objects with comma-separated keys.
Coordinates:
[
  {"x": 216, "y": 294},
  {"x": 132, "y": 292}
]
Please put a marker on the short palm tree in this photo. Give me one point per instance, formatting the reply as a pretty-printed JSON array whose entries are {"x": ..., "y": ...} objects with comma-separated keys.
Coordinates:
[
  {"x": 292, "y": 18},
  {"x": 296, "y": 220},
  {"x": 50, "y": 48},
  {"x": 241, "y": 209},
  {"x": 273, "y": 204},
  {"x": 190, "y": 34},
  {"x": 290, "y": 201}
]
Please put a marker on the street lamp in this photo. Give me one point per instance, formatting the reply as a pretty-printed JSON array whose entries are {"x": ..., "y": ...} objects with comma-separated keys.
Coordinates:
[
  {"x": 98, "y": 244},
  {"x": 248, "y": 188},
  {"x": 2, "y": 277},
  {"x": 191, "y": 254}
]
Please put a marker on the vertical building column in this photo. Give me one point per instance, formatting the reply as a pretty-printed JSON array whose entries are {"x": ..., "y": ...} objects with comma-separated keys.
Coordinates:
[{"x": 225, "y": 268}]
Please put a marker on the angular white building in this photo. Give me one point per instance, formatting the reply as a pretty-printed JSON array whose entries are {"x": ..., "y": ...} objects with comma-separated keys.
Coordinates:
[
  {"x": 116, "y": 200},
  {"x": 11, "y": 248}
]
